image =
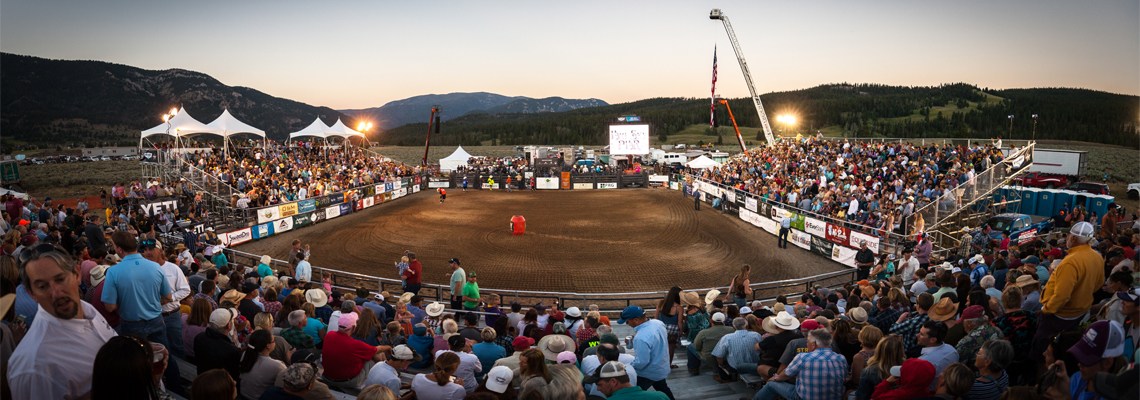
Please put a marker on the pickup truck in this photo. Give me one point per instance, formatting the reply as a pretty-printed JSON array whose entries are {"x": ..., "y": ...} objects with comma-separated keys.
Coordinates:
[
  {"x": 1040, "y": 179},
  {"x": 1020, "y": 227}
]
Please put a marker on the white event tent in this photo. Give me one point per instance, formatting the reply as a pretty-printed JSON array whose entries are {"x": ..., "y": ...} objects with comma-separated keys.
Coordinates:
[
  {"x": 228, "y": 125},
  {"x": 315, "y": 129},
  {"x": 455, "y": 160},
  {"x": 181, "y": 124},
  {"x": 702, "y": 162},
  {"x": 340, "y": 130}
]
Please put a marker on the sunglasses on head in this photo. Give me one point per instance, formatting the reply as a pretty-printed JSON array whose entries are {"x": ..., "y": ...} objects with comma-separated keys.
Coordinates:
[
  {"x": 39, "y": 250},
  {"x": 149, "y": 243}
]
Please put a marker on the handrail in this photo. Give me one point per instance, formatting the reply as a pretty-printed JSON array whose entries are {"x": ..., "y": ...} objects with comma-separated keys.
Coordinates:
[{"x": 991, "y": 181}]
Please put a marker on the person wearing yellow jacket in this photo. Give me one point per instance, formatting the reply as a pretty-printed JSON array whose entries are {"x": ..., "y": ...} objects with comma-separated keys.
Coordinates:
[{"x": 1069, "y": 293}]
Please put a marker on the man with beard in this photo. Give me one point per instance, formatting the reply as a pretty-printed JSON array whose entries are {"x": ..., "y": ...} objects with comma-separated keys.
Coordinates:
[{"x": 57, "y": 356}]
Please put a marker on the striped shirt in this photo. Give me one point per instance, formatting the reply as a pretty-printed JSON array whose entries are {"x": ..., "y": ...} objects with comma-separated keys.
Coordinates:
[
  {"x": 989, "y": 389},
  {"x": 819, "y": 374},
  {"x": 738, "y": 348}
]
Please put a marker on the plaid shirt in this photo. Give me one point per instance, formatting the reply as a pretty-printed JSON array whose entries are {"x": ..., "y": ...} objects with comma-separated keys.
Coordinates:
[
  {"x": 298, "y": 338},
  {"x": 820, "y": 374},
  {"x": 969, "y": 345},
  {"x": 885, "y": 318},
  {"x": 907, "y": 329},
  {"x": 213, "y": 304},
  {"x": 506, "y": 341}
]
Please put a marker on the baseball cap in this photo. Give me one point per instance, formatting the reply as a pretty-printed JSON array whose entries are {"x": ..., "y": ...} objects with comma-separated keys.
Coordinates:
[
  {"x": 1031, "y": 260},
  {"x": 471, "y": 274},
  {"x": 379, "y": 297},
  {"x": 222, "y": 317},
  {"x": 1083, "y": 229},
  {"x": 955, "y": 270},
  {"x": 454, "y": 261},
  {"x": 567, "y": 357},
  {"x": 630, "y": 312},
  {"x": 298, "y": 377},
  {"x": 522, "y": 343},
  {"x": 405, "y": 353},
  {"x": 347, "y": 320},
  {"x": 499, "y": 378},
  {"x": 1102, "y": 339},
  {"x": 971, "y": 312},
  {"x": 809, "y": 325},
  {"x": 1130, "y": 296},
  {"x": 718, "y": 317},
  {"x": 612, "y": 369},
  {"x": 746, "y": 310},
  {"x": 248, "y": 287}
]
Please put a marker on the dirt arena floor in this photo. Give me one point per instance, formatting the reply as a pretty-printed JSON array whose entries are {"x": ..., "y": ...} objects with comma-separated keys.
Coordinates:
[{"x": 585, "y": 241}]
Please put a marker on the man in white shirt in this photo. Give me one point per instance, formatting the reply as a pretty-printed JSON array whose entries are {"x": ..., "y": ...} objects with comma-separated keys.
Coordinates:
[
  {"x": 387, "y": 373},
  {"x": 908, "y": 267},
  {"x": 304, "y": 271},
  {"x": 152, "y": 250},
  {"x": 56, "y": 358},
  {"x": 468, "y": 363}
]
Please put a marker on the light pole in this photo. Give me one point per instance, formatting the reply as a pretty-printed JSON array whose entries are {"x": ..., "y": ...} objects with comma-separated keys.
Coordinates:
[
  {"x": 1034, "y": 127},
  {"x": 1011, "y": 127},
  {"x": 362, "y": 128},
  {"x": 788, "y": 121}
]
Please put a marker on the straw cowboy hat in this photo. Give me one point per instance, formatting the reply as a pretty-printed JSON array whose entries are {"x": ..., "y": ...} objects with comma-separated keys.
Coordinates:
[
  {"x": 711, "y": 296},
  {"x": 768, "y": 326},
  {"x": 551, "y": 345},
  {"x": 233, "y": 295},
  {"x": 317, "y": 297},
  {"x": 786, "y": 321},
  {"x": 434, "y": 309},
  {"x": 690, "y": 299},
  {"x": 407, "y": 297},
  {"x": 858, "y": 315},
  {"x": 943, "y": 310},
  {"x": 1025, "y": 280}
]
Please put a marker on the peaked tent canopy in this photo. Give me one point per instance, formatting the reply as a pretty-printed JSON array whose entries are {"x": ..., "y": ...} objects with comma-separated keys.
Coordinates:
[
  {"x": 317, "y": 128},
  {"x": 228, "y": 125},
  {"x": 340, "y": 130},
  {"x": 181, "y": 124},
  {"x": 702, "y": 162},
  {"x": 455, "y": 160}
]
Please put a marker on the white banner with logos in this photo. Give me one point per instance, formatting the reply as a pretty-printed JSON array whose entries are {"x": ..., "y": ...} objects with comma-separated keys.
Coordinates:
[
  {"x": 332, "y": 212},
  {"x": 750, "y": 204},
  {"x": 750, "y": 217},
  {"x": 730, "y": 195},
  {"x": 415, "y": 188},
  {"x": 659, "y": 178},
  {"x": 777, "y": 213},
  {"x": 843, "y": 255},
  {"x": 369, "y": 201},
  {"x": 815, "y": 227},
  {"x": 238, "y": 237},
  {"x": 546, "y": 183},
  {"x": 283, "y": 225},
  {"x": 607, "y": 185},
  {"x": 267, "y": 214},
  {"x": 801, "y": 239},
  {"x": 583, "y": 186},
  {"x": 769, "y": 225},
  {"x": 436, "y": 185},
  {"x": 858, "y": 237}
]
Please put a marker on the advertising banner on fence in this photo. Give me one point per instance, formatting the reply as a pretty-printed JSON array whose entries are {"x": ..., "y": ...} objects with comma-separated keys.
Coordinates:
[
  {"x": 417, "y": 181},
  {"x": 750, "y": 217},
  {"x": 345, "y": 208},
  {"x": 300, "y": 220},
  {"x": 1027, "y": 236},
  {"x": 439, "y": 184},
  {"x": 821, "y": 246},
  {"x": 321, "y": 202},
  {"x": 332, "y": 212},
  {"x": 843, "y": 255},
  {"x": 565, "y": 181},
  {"x": 387, "y": 196},
  {"x": 764, "y": 209},
  {"x": 546, "y": 183},
  {"x": 801, "y": 239},
  {"x": 815, "y": 227},
  {"x": 659, "y": 178},
  {"x": 369, "y": 201},
  {"x": 837, "y": 234},
  {"x": 607, "y": 185},
  {"x": 583, "y": 186},
  {"x": 378, "y": 199},
  {"x": 769, "y": 225},
  {"x": 288, "y": 210},
  {"x": 388, "y": 187},
  {"x": 238, "y": 237},
  {"x": 268, "y": 214},
  {"x": 262, "y": 231},
  {"x": 157, "y": 207},
  {"x": 856, "y": 237},
  {"x": 397, "y": 184},
  {"x": 319, "y": 215},
  {"x": 798, "y": 221},
  {"x": 283, "y": 225},
  {"x": 370, "y": 191},
  {"x": 336, "y": 198},
  {"x": 750, "y": 204},
  {"x": 730, "y": 195},
  {"x": 416, "y": 189}
]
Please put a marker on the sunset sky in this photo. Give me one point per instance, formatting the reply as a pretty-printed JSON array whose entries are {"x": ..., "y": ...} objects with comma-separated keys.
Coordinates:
[{"x": 364, "y": 54}]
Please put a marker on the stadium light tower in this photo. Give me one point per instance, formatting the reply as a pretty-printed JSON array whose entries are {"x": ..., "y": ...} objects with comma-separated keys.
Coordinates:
[
  {"x": 1034, "y": 127},
  {"x": 1011, "y": 127}
]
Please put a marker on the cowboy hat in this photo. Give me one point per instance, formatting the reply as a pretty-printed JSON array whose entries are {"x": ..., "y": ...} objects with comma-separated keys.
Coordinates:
[
  {"x": 1025, "y": 280},
  {"x": 574, "y": 312},
  {"x": 407, "y": 297},
  {"x": 690, "y": 299},
  {"x": 6, "y": 302},
  {"x": 551, "y": 345},
  {"x": 786, "y": 321},
  {"x": 98, "y": 274},
  {"x": 317, "y": 297},
  {"x": 180, "y": 247},
  {"x": 711, "y": 295},
  {"x": 232, "y": 295},
  {"x": 858, "y": 315},
  {"x": 943, "y": 310},
  {"x": 434, "y": 309},
  {"x": 768, "y": 326}
]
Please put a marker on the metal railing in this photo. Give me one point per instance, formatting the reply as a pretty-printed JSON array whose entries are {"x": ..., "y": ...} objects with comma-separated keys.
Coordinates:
[{"x": 961, "y": 197}]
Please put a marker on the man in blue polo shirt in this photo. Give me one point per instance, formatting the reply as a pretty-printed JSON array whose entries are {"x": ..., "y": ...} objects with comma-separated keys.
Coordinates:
[
  {"x": 651, "y": 349},
  {"x": 137, "y": 288}
]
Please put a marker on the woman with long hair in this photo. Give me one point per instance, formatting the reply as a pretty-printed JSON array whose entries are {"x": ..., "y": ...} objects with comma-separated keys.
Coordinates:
[
  {"x": 258, "y": 370},
  {"x": 215, "y": 384},
  {"x": 754, "y": 324},
  {"x": 847, "y": 339},
  {"x": 503, "y": 336},
  {"x": 739, "y": 289},
  {"x": 889, "y": 353},
  {"x": 441, "y": 384},
  {"x": 669, "y": 312},
  {"x": 292, "y": 303},
  {"x": 869, "y": 338},
  {"x": 530, "y": 318},
  {"x": 533, "y": 372},
  {"x": 899, "y": 300},
  {"x": 264, "y": 322},
  {"x": 194, "y": 323},
  {"x": 367, "y": 328},
  {"x": 125, "y": 368},
  {"x": 393, "y": 335}
]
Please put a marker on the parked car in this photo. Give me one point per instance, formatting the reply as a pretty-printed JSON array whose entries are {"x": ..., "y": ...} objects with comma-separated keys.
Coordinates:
[
  {"x": 86, "y": 159},
  {"x": 1016, "y": 225},
  {"x": 1041, "y": 179},
  {"x": 1089, "y": 187},
  {"x": 130, "y": 157},
  {"x": 104, "y": 158},
  {"x": 1134, "y": 190},
  {"x": 37, "y": 161}
]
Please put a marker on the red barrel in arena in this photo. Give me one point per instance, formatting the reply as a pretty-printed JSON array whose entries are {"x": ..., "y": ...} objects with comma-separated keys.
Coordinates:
[{"x": 518, "y": 225}]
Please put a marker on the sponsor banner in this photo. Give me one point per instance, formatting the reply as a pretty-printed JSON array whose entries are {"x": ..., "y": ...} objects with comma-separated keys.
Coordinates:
[
  {"x": 801, "y": 239},
  {"x": 306, "y": 206},
  {"x": 815, "y": 227},
  {"x": 378, "y": 199},
  {"x": 777, "y": 213},
  {"x": 322, "y": 202},
  {"x": 262, "y": 231},
  {"x": 857, "y": 237},
  {"x": 283, "y": 225},
  {"x": 369, "y": 201},
  {"x": 267, "y": 214},
  {"x": 583, "y": 186},
  {"x": 769, "y": 225},
  {"x": 750, "y": 217},
  {"x": 837, "y": 234},
  {"x": 565, "y": 181},
  {"x": 843, "y": 255},
  {"x": 387, "y": 196},
  {"x": 440, "y": 184},
  {"x": 821, "y": 246},
  {"x": 336, "y": 198},
  {"x": 319, "y": 216},
  {"x": 798, "y": 221},
  {"x": 158, "y": 207},
  {"x": 546, "y": 183},
  {"x": 398, "y": 184},
  {"x": 332, "y": 212},
  {"x": 359, "y": 204},
  {"x": 198, "y": 228},
  {"x": 416, "y": 188},
  {"x": 659, "y": 178},
  {"x": 764, "y": 209},
  {"x": 238, "y": 237},
  {"x": 300, "y": 220},
  {"x": 607, "y": 185},
  {"x": 750, "y": 204},
  {"x": 675, "y": 185},
  {"x": 370, "y": 191},
  {"x": 688, "y": 190},
  {"x": 1026, "y": 236},
  {"x": 486, "y": 185},
  {"x": 345, "y": 208},
  {"x": 288, "y": 210},
  {"x": 730, "y": 195},
  {"x": 417, "y": 181},
  {"x": 388, "y": 187},
  {"x": 379, "y": 188}
]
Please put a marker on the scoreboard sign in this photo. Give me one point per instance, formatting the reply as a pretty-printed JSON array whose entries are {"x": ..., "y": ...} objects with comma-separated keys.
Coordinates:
[{"x": 629, "y": 139}]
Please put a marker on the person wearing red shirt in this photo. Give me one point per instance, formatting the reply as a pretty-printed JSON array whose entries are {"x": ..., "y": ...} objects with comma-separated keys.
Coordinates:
[
  {"x": 413, "y": 274},
  {"x": 347, "y": 360}
]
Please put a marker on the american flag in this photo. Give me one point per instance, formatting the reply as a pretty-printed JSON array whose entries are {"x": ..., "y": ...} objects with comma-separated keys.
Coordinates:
[{"x": 712, "y": 99}]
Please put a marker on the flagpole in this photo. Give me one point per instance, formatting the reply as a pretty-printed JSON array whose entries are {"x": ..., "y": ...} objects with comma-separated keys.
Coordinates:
[{"x": 712, "y": 96}]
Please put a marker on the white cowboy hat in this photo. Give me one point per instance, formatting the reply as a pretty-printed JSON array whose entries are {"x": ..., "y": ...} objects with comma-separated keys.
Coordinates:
[
  {"x": 786, "y": 321},
  {"x": 434, "y": 309},
  {"x": 711, "y": 295},
  {"x": 551, "y": 345},
  {"x": 574, "y": 312},
  {"x": 317, "y": 297}
]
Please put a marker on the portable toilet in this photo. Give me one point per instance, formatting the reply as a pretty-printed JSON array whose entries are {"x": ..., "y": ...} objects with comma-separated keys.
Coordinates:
[
  {"x": 1062, "y": 198},
  {"x": 1081, "y": 199},
  {"x": 1010, "y": 193},
  {"x": 1098, "y": 203},
  {"x": 1045, "y": 202},
  {"x": 1029, "y": 200}
]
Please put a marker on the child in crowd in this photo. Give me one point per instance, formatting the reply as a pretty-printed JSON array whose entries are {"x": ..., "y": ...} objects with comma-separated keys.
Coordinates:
[{"x": 402, "y": 266}]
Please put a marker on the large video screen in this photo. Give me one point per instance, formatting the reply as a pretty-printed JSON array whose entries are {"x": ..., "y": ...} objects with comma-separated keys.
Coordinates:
[{"x": 629, "y": 139}]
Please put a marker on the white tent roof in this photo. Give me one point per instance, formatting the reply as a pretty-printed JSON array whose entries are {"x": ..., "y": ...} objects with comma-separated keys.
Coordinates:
[
  {"x": 457, "y": 159},
  {"x": 340, "y": 130},
  {"x": 181, "y": 124},
  {"x": 702, "y": 162},
  {"x": 459, "y": 154},
  {"x": 230, "y": 125},
  {"x": 317, "y": 128}
]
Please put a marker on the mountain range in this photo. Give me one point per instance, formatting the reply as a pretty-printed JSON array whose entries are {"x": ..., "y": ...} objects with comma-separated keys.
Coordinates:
[{"x": 453, "y": 105}]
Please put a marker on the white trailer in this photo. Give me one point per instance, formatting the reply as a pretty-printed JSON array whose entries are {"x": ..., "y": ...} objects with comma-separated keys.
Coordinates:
[{"x": 1058, "y": 162}]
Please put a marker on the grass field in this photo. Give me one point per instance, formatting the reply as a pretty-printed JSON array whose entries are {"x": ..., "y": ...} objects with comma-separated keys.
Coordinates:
[
  {"x": 65, "y": 181},
  {"x": 950, "y": 108}
]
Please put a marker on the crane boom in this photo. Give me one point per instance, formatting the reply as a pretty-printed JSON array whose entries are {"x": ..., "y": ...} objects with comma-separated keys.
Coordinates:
[{"x": 717, "y": 14}]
